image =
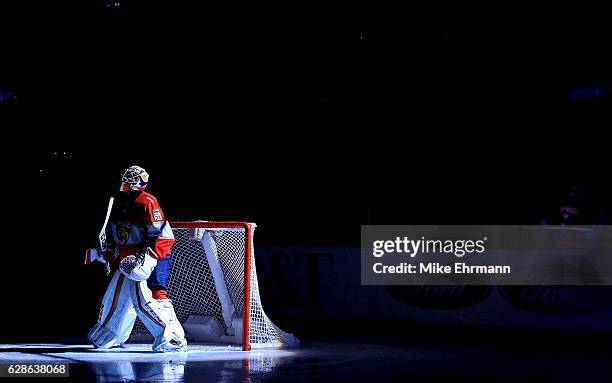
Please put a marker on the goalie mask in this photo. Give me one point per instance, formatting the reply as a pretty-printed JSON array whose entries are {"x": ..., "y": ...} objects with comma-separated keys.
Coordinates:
[{"x": 134, "y": 178}]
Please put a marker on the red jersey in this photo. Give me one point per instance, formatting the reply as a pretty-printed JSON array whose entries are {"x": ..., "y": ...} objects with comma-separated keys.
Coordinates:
[{"x": 136, "y": 221}]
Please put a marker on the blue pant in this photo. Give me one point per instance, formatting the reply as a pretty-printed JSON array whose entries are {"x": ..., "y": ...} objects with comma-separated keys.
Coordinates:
[{"x": 161, "y": 274}]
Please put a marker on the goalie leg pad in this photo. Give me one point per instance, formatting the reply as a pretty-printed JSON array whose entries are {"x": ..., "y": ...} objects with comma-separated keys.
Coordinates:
[
  {"x": 101, "y": 337},
  {"x": 126, "y": 326},
  {"x": 116, "y": 316},
  {"x": 159, "y": 318}
]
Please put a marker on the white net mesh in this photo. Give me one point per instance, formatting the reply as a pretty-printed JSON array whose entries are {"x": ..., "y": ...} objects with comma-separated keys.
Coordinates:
[{"x": 207, "y": 279}]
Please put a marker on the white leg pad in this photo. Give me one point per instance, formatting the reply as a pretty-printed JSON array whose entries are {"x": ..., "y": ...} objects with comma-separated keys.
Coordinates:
[
  {"x": 102, "y": 337},
  {"x": 115, "y": 318},
  {"x": 159, "y": 318},
  {"x": 126, "y": 326}
]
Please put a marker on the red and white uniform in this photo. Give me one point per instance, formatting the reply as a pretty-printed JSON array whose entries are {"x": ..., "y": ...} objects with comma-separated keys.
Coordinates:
[
  {"x": 140, "y": 222},
  {"x": 136, "y": 222}
]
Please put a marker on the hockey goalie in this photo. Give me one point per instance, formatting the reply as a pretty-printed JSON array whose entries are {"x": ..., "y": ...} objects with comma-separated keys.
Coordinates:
[{"x": 136, "y": 250}]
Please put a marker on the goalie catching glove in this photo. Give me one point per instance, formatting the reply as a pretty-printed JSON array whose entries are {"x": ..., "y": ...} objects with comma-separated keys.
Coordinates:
[{"x": 138, "y": 267}]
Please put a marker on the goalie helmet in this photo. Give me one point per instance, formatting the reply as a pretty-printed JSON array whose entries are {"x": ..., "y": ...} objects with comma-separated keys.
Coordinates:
[{"x": 134, "y": 178}]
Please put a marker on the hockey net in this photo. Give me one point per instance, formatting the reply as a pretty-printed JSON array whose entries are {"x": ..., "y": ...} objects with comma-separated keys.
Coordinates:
[{"x": 213, "y": 278}]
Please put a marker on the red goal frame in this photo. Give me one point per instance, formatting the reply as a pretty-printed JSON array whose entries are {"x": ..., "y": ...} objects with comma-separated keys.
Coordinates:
[{"x": 248, "y": 238}]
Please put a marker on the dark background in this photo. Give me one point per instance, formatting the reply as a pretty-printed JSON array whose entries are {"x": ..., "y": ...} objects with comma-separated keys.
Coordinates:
[{"x": 307, "y": 121}]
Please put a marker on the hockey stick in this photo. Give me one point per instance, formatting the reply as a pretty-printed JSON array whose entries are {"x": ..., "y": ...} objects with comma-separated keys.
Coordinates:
[
  {"x": 94, "y": 254},
  {"x": 102, "y": 235}
]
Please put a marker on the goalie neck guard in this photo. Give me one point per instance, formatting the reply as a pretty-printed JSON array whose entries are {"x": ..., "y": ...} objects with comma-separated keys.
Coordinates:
[{"x": 134, "y": 178}]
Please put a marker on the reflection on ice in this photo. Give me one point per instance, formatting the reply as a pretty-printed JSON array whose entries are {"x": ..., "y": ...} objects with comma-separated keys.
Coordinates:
[
  {"x": 330, "y": 362},
  {"x": 129, "y": 372},
  {"x": 136, "y": 362},
  {"x": 173, "y": 371}
]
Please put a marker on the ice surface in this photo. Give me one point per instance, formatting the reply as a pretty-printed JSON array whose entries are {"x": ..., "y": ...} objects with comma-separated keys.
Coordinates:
[
  {"x": 131, "y": 352},
  {"x": 416, "y": 360}
]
